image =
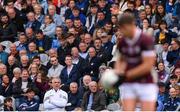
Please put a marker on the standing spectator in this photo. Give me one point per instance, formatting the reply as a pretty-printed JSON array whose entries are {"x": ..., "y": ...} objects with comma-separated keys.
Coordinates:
[
  {"x": 172, "y": 102},
  {"x": 32, "y": 22},
  {"x": 57, "y": 18},
  {"x": 42, "y": 41},
  {"x": 49, "y": 26},
  {"x": 3, "y": 55},
  {"x": 173, "y": 56},
  {"x": 69, "y": 73},
  {"x": 73, "y": 97},
  {"x": 8, "y": 30},
  {"x": 56, "y": 68},
  {"x": 55, "y": 99},
  {"x": 29, "y": 103},
  {"x": 93, "y": 99}
]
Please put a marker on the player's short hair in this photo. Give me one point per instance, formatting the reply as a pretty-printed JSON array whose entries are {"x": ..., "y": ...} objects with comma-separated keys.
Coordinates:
[{"x": 126, "y": 18}]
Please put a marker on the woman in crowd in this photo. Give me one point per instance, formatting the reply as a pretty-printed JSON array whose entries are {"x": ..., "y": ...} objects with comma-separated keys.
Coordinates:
[
  {"x": 6, "y": 87},
  {"x": 147, "y": 28}
]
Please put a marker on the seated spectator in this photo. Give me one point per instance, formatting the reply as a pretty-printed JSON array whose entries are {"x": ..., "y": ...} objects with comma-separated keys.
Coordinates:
[
  {"x": 73, "y": 97},
  {"x": 30, "y": 35},
  {"x": 93, "y": 63},
  {"x": 8, "y": 104},
  {"x": 163, "y": 74},
  {"x": 22, "y": 43},
  {"x": 8, "y": 30},
  {"x": 21, "y": 86},
  {"x": 83, "y": 50},
  {"x": 173, "y": 56},
  {"x": 93, "y": 99},
  {"x": 36, "y": 60},
  {"x": 106, "y": 49},
  {"x": 56, "y": 42},
  {"x": 38, "y": 13},
  {"x": 100, "y": 19},
  {"x": 32, "y": 47},
  {"x": 16, "y": 74},
  {"x": 57, "y": 18},
  {"x": 79, "y": 27},
  {"x": 173, "y": 80},
  {"x": 76, "y": 14},
  {"x": 164, "y": 34},
  {"x": 13, "y": 51},
  {"x": 32, "y": 22},
  {"x": 42, "y": 83},
  {"x": 177, "y": 72},
  {"x": 28, "y": 102},
  {"x": 33, "y": 71},
  {"x": 48, "y": 27},
  {"x": 88, "y": 39},
  {"x": 162, "y": 95},
  {"x": 170, "y": 6},
  {"x": 69, "y": 73},
  {"x": 176, "y": 14},
  {"x": 12, "y": 63},
  {"x": 172, "y": 103},
  {"x": 84, "y": 87},
  {"x": 24, "y": 62},
  {"x": 42, "y": 41},
  {"x": 3, "y": 55},
  {"x": 146, "y": 27},
  {"x": 97, "y": 44},
  {"x": 72, "y": 4},
  {"x": 55, "y": 99},
  {"x": 78, "y": 60},
  {"x": 68, "y": 23},
  {"x": 159, "y": 16},
  {"x": 3, "y": 71},
  {"x": 6, "y": 87},
  {"x": 55, "y": 69}
]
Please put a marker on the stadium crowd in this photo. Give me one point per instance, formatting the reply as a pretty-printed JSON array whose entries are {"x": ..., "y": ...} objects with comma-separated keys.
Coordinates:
[{"x": 53, "y": 52}]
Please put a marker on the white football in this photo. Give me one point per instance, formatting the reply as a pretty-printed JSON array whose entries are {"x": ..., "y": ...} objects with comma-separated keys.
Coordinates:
[{"x": 108, "y": 78}]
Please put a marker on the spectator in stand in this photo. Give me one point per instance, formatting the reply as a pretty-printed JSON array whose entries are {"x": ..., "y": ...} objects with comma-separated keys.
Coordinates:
[
  {"x": 173, "y": 81},
  {"x": 177, "y": 72},
  {"x": 173, "y": 56},
  {"x": 28, "y": 102},
  {"x": 36, "y": 60},
  {"x": 43, "y": 42},
  {"x": 82, "y": 5},
  {"x": 55, "y": 69},
  {"x": 170, "y": 6},
  {"x": 69, "y": 73},
  {"x": 13, "y": 51},
  {"x": 68, "y": 24},
  {"x": 97, "y": 44},
  {"x": 30, "y": 35},
  {"x": 162, "y": 95},
  {"x": 106, "y": 49},
  {"x": 57, "y": 18},
  {"x": 146, "y": 27},
  {"x": 6, "y": 87},
  {"x": 93, "y": 63},
  {"x": 33, "y": 71},
  {"x": 164, "y": 34},
  {"x": 93, "y": 99},
  {"x": 71, "y": 5},
  {"x": 8, "y": 104},
  {"x": 73, "y": 97},
  {"x": 16, "y": 74},
  {"x": 79, "y": 27},
  {"x": 55, "y": 99},
  {"x": 32, "y": 22},
  {"x": 3, "y": 55},
  {"x": 172, "y": 103},
  {"x": 38, "y": 13},
  {"x": 159, "y": 16},
  {"x": 42, "y": 83},
  {"x": 163, "y": 73},
  {"x": 3, "y": 71},
  {"x": 149, "y": 13},
  {"x": 100, "y": 19},
  {"x": 176, "y": 14},
  {"x": 32, "y": 47},
  {"x": 24, "y": 62},
  {"x": 83, "y": 50},
  {"x": 8, "y": 30},
  {"x": 16, "y": 19},
  {"x": 49, "y": 26},
  {"x": 22, "y": 43}
]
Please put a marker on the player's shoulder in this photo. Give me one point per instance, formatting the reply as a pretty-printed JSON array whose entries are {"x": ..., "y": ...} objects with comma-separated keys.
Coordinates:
[
  {"x": 145, "y": 38},
  {"x": 63, "y": 92}
]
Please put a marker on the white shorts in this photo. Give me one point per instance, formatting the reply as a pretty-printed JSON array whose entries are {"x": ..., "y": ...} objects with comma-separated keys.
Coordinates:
[{"x": 142, "y": 92}]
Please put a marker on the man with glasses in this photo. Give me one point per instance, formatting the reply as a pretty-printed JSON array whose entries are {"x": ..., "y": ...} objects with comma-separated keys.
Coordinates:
[{"x": 55, "y": 99}]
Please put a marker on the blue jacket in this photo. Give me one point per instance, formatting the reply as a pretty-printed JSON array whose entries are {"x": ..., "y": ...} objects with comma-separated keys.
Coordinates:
[
  {"x": 73, "y": 76},
  {"x": 26, "y": 105},
  {"x": 82, "y": 17},
  {"x": 169, "y": 8},
  {"x": 3, "y": 57},
  {"x": 34, "y": 25}
]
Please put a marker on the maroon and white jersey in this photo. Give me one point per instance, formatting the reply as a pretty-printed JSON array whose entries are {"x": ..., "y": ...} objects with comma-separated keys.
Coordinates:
[{"x": 132, "y": 51}]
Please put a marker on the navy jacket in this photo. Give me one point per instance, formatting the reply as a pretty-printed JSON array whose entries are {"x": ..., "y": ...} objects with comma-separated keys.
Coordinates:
[
  {"x": 171, "y": 104},
  {"x": 74, "y": 99},
  {"x": 28, "y": 105},
  {"x": 72, "y": 77},
  {"x": 173, "y": 56},
  {"x": 35, "y": 25},
  {"x": 105, "y": 53},
  {"x": 46, "y": 43},
  {"x": 6, "y": 91}
]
